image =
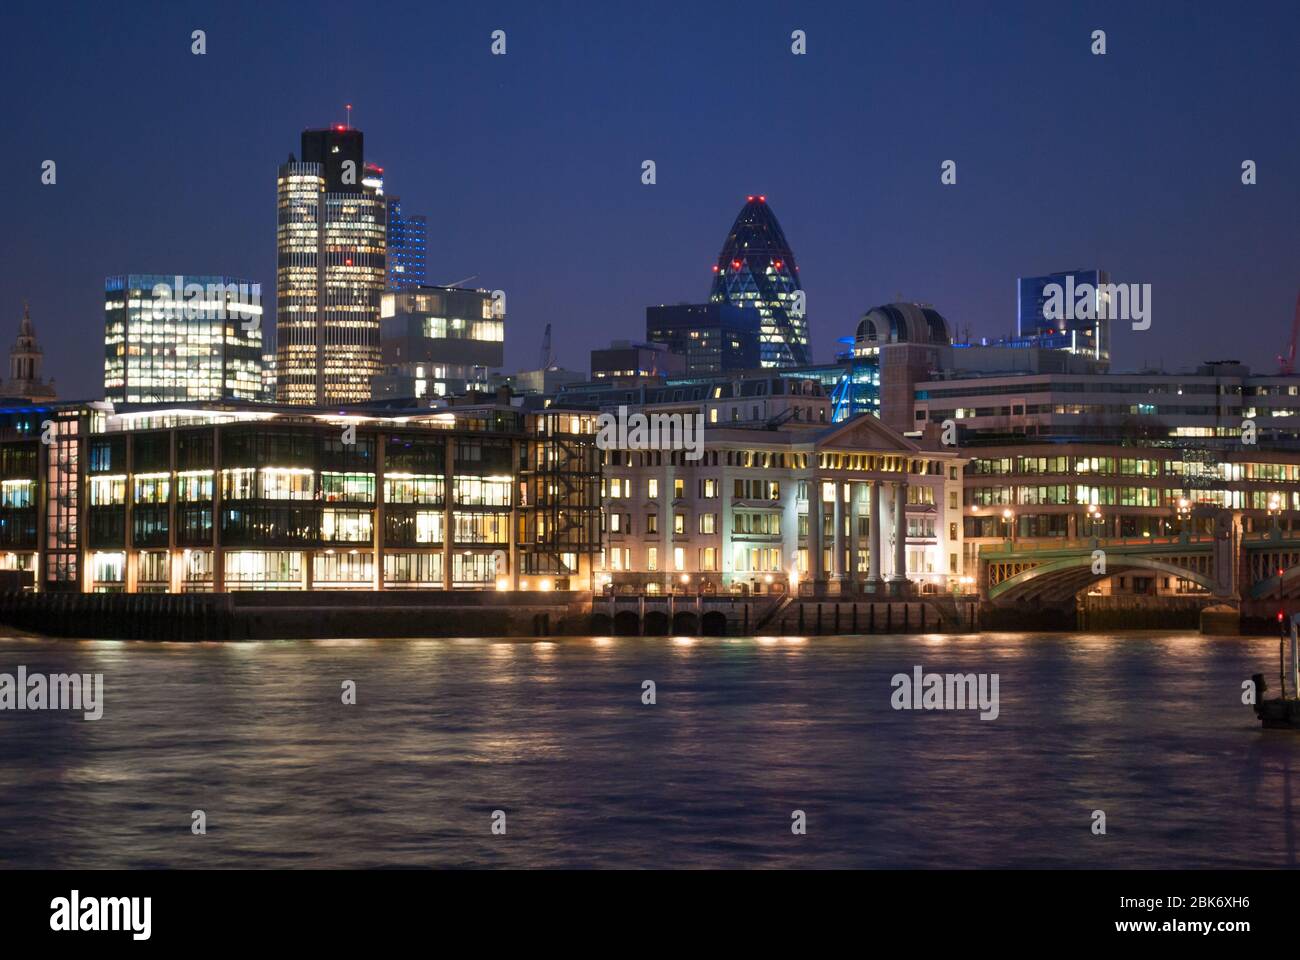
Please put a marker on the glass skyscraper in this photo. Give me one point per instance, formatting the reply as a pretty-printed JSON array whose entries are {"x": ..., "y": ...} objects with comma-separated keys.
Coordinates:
[
  {"x": 1083, "y": 331},
  {"x": 170, "y": 337},
  {"x": 407, "y": 238},
  {"x": 331, "y": 246},
  {"x": 756, "y": 269}
]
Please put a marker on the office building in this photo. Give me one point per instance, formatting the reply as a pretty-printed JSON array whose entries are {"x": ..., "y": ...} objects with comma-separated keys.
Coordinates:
[
  {"x": 331, "y": 250},
  {"x": 713, "y": 338},
  {"x": 1083, "y": 306},
  {"x": 626, "y": 360},
  {"x": 408, "y": 237},
  {"x": 756, "y": 268},
  {"x": 438, "y": 341},
  {"x": 781, "y": 500},
  {"x": 1219, "y": 405},
  {"x": 181, "y": 337},
  {"x": 221, "y": 497}
]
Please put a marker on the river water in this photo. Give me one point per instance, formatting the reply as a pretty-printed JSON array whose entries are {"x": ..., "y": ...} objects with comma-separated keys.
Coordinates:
[{"x": 1149, "y": 728}]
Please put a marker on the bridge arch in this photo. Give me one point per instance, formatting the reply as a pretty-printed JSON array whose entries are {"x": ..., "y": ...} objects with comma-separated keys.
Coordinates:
[
  {"x": 714, "y": 624},
  {"x": 1267, "y": 588},
  {"x": 1062, "y": 578},
  {"x": 686, "y": 623}
]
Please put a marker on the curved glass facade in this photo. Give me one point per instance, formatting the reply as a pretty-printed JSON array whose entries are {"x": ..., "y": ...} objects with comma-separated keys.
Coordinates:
[{"x": 756, "y": 268}]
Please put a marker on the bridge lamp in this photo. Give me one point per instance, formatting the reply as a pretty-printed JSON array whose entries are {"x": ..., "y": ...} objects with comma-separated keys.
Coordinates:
[
  {"x": 686, "y": 578},
  {"x": 503, "y": 583}
]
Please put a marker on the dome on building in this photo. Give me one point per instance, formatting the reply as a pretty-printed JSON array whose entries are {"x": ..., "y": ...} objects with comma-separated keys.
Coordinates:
[{"x": 902, "y": 323}]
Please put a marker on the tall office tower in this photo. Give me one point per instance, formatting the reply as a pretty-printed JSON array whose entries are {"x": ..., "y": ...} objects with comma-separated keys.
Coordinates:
[
  {"x": 1080, "y": 301},
  {"x": 407, "y": 238},
  {"x": 25, "y": 359},
  {"x": 181, "y": 337},
  {"x": 331, "y": 247},
  {"x": 756, "y": 269}
]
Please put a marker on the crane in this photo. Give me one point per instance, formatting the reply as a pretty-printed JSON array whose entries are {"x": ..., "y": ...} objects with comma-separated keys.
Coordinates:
[
  {"x": 547, "y": 356},
  {"x": 1286, "y": 365}
]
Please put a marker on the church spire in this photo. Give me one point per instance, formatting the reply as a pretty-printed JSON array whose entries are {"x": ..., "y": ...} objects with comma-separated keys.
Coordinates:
[{"x": 25, "y": 359}]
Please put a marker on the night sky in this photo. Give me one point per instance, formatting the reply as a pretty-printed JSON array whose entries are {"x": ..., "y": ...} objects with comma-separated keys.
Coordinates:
[{"x": 528, "y": 165}]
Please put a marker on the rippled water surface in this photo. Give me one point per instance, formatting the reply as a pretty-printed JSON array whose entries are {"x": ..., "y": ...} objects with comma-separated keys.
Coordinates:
[{"x": 1149, "y": 728}]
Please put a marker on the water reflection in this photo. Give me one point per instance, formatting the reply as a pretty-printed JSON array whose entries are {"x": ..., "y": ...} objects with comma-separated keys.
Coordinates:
[{"x": 1148, "y": 727}]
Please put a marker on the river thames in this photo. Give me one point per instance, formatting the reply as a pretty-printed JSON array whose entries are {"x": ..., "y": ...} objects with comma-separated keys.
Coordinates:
[{"x": 1149, "y": 728}]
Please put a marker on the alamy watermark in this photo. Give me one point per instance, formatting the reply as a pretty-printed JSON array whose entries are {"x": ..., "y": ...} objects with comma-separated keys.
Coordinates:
[
  {"x": 951, "y": 691},
  {"x": 56, "y": 691},
  {"x": 1101, "y": 301},
  {"x": 654, "y": 431},
  {"x": 76, "y": 913},
  {"x": 212, "y": 301}
]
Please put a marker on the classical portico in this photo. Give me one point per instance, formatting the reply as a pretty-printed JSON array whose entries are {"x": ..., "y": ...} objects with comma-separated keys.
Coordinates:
[{"x": 862, "y": 470}]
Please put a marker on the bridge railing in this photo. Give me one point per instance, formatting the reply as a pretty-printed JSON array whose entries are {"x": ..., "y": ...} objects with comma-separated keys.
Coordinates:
[{"x": 1011, "y": 548}]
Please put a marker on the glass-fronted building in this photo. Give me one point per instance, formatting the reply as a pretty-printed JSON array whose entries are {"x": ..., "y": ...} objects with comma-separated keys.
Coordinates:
[
  {"x": 438, "y": 341},
  {"x": 331, "y": 247},
  {"x": 227, "y": 497},
  {"x": 756, "y": 268},
  {"x": 181, "y": 337},
  {"x": 408, "y": 237},
  {"x": 712, "y": 337},
  {"x": 1085, "y": 327}
]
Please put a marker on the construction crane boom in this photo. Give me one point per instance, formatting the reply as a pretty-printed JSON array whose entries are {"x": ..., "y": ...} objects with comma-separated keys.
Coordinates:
[
  {"x": 547, "y": 357},
  {"x": 1286, "y": 364}
]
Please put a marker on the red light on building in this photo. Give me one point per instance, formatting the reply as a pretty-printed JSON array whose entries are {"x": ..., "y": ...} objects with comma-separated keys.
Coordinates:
[
  {"x": 715, "y": 268},
  {"x": 1280, "y": 616},
  {"x": 750, "y": 198},
  {"x": 777, "y": 264},
  {"x": 347, "y": 262},
  {"x": 735, "y": 264},
  {"x": 762, "y": 199}
]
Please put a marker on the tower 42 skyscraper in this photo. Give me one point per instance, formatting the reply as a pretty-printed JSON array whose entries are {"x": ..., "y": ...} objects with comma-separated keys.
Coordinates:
[
  {"x": 331, "y": 230},
  {"x": 756, "y": 269}
]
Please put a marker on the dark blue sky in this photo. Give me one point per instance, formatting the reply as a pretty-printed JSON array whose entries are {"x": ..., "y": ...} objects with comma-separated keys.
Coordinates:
[{"x": 528, "y": 165}]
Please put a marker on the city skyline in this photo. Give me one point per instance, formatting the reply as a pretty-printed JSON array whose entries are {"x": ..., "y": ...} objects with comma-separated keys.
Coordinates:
[{"x": 868, "y": 224}]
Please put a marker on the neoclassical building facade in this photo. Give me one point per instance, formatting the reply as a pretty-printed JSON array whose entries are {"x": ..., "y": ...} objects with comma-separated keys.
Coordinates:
[{"x": 853, "y": 509}]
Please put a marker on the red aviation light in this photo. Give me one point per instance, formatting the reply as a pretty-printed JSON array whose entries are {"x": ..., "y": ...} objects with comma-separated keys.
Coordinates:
[
  {"x": 750, "y": 198},
  {"x": 715, "y": 268},
  {"x": 762, "y": 198},
  {"x": 735, "y": 264},
  {"x": 777, "y": 264}
]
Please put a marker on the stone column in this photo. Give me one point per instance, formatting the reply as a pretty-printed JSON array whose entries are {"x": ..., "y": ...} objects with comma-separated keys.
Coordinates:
[
  {"x": 874, "y": 579},
  {"x": 853, "y": 537},
  {"x": 837, "y": 536},
  {"x": 816, "y": 512},
  {"x": 667, "y": 572},
  {"x": 899, "y": 574}
]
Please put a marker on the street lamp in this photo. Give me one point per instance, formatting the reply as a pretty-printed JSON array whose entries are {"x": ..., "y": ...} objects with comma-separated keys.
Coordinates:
[
  {"x": 1009, "y": 517},
  {"x": 1096, "y": 522},
  {"x": 1275, "y": 514}
]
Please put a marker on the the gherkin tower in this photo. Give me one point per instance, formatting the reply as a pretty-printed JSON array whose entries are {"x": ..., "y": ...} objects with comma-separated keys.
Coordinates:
[{"x": 756, "y": 269}]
